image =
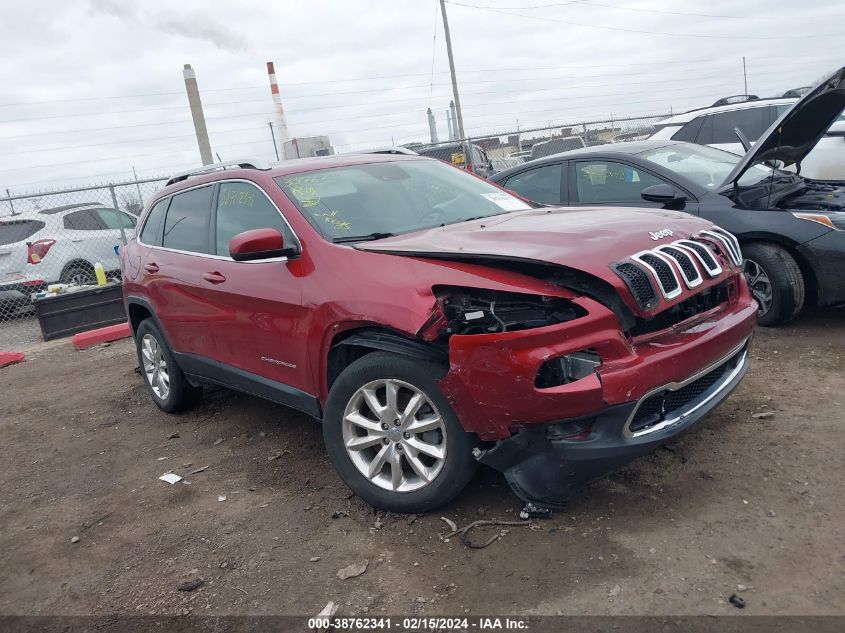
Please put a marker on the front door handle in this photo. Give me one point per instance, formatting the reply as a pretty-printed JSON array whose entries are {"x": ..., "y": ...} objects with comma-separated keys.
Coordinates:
[
  {"x": 151, "y": 267},
  {"x": 214, "y": 278}
]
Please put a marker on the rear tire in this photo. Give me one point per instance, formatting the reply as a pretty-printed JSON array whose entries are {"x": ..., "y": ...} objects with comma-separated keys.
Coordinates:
[
  {"x": 78, "y": 274},
  {"x": 165, "y": 382},
  {"x": 393, "y": 437},
  {"x": 775, "y": 280}
]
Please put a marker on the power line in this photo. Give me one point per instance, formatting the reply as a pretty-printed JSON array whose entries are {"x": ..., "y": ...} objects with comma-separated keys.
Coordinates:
[
  {"x": 780, "y": 69},
  {"x": 464, "y": 71},
  {"x": 641, "y": 31}
]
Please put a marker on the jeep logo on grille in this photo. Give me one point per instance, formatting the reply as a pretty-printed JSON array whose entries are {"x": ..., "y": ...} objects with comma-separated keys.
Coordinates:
[{"x": 656, "y": 235}]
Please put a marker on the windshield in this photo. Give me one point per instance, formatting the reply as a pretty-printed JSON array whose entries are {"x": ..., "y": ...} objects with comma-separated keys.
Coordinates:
[
  {"x": 377, "y": 199},
  {"x": 705, "y": 166}
]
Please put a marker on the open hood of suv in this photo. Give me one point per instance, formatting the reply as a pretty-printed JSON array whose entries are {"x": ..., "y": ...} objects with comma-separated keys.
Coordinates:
[{"x": 798, "y": 130}]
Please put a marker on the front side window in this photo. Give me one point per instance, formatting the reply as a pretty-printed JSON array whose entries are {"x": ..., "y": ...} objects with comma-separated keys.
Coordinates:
[
  {"x": 243, "y": 207},
  {"x": 152, "y": 227},
  {"x": 348, "y": 203},
  {"x": 538, "y": 185},
  {"x": 186, "y": 224},
  {"x": 601, "y": 182}
]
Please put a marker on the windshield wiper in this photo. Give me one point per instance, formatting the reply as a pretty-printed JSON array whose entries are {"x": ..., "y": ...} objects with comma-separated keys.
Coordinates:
[{"x": 360, "y": 238}]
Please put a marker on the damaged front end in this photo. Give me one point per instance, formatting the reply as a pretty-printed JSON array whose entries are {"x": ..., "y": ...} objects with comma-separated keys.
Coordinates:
[{"x": 561, "y": 393}]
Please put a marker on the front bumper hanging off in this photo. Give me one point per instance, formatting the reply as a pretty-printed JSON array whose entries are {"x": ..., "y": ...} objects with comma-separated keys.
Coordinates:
[{"x": 545, "y": 469}]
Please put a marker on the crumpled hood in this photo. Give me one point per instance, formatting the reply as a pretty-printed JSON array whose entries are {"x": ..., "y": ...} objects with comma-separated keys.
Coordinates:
[
  {"x": 587, "y": 239},
  {"x": 798, "y": 130}
]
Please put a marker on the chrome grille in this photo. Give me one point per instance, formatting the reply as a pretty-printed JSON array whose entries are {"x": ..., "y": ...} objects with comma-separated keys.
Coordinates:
[
  {"x": 662, "y": 270},
  {"x": 726, "y": 241},
  {"x": 704, "y": 256},
  {"x": 638, "y": 283},
  {"x": 691, "y": 258},
  {"x": 689, "y": 271}
]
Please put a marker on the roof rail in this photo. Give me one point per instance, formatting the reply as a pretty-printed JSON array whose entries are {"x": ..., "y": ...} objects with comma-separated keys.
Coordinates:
[
  {"x": 207, "y": 169},
  {"x": 730, "y": 100}
]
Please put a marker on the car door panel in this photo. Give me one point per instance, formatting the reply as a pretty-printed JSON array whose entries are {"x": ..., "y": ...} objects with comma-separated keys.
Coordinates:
[
  {"x": 262, "y": 326},
  {"x": 176, "y": 288}
]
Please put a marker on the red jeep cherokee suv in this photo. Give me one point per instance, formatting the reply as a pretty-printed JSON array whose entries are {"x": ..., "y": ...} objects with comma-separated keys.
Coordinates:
[{"x": 433, "y": 321}]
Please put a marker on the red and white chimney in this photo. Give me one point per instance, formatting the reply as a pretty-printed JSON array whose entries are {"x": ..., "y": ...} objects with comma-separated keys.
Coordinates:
[{"x": 281, "y": 125}]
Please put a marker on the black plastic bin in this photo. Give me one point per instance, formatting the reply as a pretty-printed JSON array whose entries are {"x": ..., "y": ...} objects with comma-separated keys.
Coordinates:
[{"x": 69, "y": 313}]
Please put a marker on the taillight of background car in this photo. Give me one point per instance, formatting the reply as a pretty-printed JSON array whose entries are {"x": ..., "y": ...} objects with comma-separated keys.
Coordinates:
[{"x": 36, "y": 251}]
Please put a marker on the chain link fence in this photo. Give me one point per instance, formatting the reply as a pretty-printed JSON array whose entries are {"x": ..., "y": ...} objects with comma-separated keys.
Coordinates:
[
  {"x": 493, "y": 152},
  {"x": 59, "y": 237}
]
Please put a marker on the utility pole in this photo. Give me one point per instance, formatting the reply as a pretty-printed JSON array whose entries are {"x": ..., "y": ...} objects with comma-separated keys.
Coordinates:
[
  {"x": 744, "y": 76},
  {"x": 459, "y": 123},
  {"x": 273, "y": 136},
  {"x": 197, "y": 115}
]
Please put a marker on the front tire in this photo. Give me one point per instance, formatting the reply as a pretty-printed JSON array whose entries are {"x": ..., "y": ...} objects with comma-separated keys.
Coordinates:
[
  {"x": 775, "y": 280},
  {"x": 393, "y": 437},
  {"x": 165, "y": 382}
]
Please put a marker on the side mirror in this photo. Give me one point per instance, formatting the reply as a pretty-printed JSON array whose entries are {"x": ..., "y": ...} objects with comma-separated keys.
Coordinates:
[
  {"x": 662, "y": 194},
  {"x": 260, "y": 244}
]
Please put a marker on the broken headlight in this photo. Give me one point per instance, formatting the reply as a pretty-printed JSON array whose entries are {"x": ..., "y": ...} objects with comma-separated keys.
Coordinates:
[{"x": 478, "y": 311}]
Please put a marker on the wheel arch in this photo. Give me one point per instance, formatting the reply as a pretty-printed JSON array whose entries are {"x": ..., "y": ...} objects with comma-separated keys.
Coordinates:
[
  {"x": 349, "y": 345},
  {"x": 138, "y": 309},
  {"x": 77, "y": 262}
]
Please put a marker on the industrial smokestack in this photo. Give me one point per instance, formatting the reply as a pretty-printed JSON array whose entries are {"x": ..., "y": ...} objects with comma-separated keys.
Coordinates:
[
  {"x": 432, "y": 126},
  {"x": 197, "y": 115},
  {"x": 454, "y": 120},
  {"x": 449, "y": 124},
  {"x": 281, "y": 123}
]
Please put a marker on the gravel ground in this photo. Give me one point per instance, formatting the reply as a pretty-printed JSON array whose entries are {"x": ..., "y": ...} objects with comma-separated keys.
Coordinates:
[{"x": 740, "y": 504}]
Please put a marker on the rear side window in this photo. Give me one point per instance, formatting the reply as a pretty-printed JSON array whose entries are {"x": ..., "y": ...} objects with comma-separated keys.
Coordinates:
[
  {"x": 186, "y": 224},
  {"x": 18, "y": 230},
  {"x": 538, "y": 185},
  {"x": 84, "y": 220},
  {"x": 151, "y": 230},
  {"x": 243, "y": 207},
  {"x": 689, "y": 131},
  {"x": 111, "y": 219}
]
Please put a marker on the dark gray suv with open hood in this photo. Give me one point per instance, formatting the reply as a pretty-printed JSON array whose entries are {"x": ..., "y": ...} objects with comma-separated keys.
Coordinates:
[{"x": 791, "y": 228}]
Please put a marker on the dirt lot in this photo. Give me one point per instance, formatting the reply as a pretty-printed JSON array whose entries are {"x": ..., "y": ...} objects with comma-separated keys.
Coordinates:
[{"x": 738, "y": 500}]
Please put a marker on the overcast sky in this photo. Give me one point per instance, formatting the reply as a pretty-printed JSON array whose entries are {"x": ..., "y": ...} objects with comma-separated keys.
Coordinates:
[{"x": 91, "y": 88}]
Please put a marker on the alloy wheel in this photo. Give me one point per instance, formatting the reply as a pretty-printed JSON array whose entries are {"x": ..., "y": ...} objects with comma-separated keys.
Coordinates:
[
  {"x": 81, "y": 279},
  {"x": 155, "y": 367},
  {"x": 760, "y": 286},
  {"x": 394, "y": 435}
]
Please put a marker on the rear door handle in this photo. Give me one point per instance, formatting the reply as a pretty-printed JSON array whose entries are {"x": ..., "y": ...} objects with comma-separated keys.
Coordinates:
[
  {"x": 214, "y": 278},
  {"x": 151, "y": 267}
]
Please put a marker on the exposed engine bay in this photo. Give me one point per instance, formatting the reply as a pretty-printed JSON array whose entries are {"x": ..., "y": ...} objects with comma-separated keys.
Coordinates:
[{"x": 816, "y": 196}]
